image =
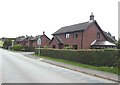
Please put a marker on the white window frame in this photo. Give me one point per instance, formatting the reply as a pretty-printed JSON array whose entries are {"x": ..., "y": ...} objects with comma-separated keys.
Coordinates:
[{"x": 67, "y": 35}]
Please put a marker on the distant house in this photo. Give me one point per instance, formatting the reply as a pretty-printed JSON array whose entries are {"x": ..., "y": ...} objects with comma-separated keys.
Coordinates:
[
  {"x": 32, "y": 41},
  {"x": 21, "y": 40},
  {"x": 44, "y": 40},
  {"x": 82, "y": 36}
]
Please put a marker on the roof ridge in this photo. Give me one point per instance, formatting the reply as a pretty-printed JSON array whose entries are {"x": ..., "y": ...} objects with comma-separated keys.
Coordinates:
[{"x": 74, "y": 27}]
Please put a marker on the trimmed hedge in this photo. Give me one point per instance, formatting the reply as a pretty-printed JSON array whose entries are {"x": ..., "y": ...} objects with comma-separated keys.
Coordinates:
[
  {"x": 91, "y": 57},
  {"x": 23, "y": 48}
]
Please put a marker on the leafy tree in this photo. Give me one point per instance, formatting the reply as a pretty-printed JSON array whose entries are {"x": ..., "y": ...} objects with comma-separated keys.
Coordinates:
[
  {"x": 7, "y": 43},
  {"x": 118, "y": 44}
]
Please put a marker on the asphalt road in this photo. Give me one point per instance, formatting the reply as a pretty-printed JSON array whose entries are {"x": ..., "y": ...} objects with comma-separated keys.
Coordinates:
[{"x": 16, "y": 68}]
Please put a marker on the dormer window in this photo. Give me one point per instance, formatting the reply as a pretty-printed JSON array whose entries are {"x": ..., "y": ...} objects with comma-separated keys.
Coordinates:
[{"x": 67, "y": 35}]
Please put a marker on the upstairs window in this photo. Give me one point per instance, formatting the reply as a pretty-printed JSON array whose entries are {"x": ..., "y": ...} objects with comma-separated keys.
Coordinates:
[
  {"x": 75, "y": 35},
  {"x": 98, "y": 35},
  {"x": 67, "y": 35}
]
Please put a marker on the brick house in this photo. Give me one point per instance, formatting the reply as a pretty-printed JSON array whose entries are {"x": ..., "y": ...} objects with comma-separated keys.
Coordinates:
[
  {"x": 44, "y": 40},
  {"x": 19, "y": 41},
  {"x": 32, "y": 41},
  {"x": 82, "y": 36},
  {"x": 24, "y": 40}
]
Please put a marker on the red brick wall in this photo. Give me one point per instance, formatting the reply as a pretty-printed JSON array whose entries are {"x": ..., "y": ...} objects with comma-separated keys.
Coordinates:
[
  {"x": 54, "y": 43},
  {"x": 90, "y": 35},
  {"x": 71, "y": 40},
  {"x": 45, "y": 41},
  {"x": 34, "y": 43}
]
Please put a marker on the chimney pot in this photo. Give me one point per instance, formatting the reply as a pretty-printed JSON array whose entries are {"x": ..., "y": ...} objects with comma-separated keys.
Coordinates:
[{"x": 91, "y": 16}]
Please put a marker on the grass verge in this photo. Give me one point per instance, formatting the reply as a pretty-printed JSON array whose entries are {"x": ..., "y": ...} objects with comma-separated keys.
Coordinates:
[
  {"x": 101, "y": 68},
  {"x": 1, "y": 43}
]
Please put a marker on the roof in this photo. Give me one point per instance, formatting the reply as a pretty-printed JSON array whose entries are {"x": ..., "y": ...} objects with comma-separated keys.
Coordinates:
[
  {"x": 36, "y": 38},
  {"x": 19, "y": 39},
  {"x": 83, "y": 26},
  {"x": 73, "y": 28},
  {"x": 102, "y": 43},
  {"x": 57, "y": 39},
  {"x": 109, "y": 37}
]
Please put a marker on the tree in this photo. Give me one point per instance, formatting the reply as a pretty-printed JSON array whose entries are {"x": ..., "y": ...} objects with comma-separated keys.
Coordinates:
[
  {"x": 118, "y": 44},
  {"x": 7, "y": 43}
]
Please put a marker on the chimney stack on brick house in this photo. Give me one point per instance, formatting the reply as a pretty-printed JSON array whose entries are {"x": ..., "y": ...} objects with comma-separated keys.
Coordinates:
[
  {"x": 43, "y": 32},
  {"x": 91, "y": 16}
]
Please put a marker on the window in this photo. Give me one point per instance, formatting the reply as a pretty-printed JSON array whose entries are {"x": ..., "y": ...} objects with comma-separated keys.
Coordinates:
[
  {"x": 67, "y": 35},
  {"x": 53, "y": 46},
  {"x": 75, "y": 47},
  {"x": 98, "y": 35},
  {"x": 75, "y": 35}
]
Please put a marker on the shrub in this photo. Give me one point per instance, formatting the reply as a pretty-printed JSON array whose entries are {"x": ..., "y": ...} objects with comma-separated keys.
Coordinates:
[
  {"x": 17, "y": 47},
  {"x": 7, "y": 44},
  {"x": 118, "y": 44},
  {"x": 91, "y": 57},
  {"x": 68, "y": 47},
  {"x": 46, "y": 47},
  {"x": 29, "y": 48},
  {"x": 23, "y": 48}
]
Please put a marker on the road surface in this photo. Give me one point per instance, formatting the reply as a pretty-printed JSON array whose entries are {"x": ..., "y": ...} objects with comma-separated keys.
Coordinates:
[{"x": 16, "y": 68}]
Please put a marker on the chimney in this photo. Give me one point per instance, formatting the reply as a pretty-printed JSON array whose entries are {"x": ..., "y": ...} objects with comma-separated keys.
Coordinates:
[
  {"x": 43, "y": 32},
  {"x": 91, "y": 16}
]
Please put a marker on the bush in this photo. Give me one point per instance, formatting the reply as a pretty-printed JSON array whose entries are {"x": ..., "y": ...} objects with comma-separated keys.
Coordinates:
[
  {"x": 17, "y": 47},
  {"x": 68, "y": 47},
  {"x": 23, "y": 48},
  {"x": 118, "y": 44},
  {"x": 7, "y": 44},
  {"x": 29, "y": 48},
  {"x": 46, "y": 47},
  {"x": 90, "y": 57}
]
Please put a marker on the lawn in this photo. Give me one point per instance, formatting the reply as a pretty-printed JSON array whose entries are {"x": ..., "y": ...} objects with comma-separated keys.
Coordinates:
[
  {"x": 101, "y": 68},
  {"x": 1, "y": 43}
]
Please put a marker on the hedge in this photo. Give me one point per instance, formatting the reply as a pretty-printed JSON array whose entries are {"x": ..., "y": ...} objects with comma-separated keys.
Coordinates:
[
  {"x": 17, "y": 47},
  {"x": 23, "y": 48},
  {"x": 90, "y": 57}
]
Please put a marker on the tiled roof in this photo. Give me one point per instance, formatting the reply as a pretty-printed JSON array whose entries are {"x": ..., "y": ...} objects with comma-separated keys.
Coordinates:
[
  {"x": 59, "y": 41},
  {"x": 35, "y": 38},
  {"x": 83, "y": 26},
  {"x": 73, "y": 28},
  {"x": 19, "y": 39},
  {"x": 109, "y": 37}
]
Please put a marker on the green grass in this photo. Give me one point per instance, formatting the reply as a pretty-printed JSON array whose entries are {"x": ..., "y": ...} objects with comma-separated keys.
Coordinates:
[
  {"x": 102, "y": 68},
  {"x": 1, "y": 43}
]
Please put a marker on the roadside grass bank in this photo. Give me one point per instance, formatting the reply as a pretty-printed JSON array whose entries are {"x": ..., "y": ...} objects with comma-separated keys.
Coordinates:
[
  {"x": 100, "y": 68},
  {"x": 1, "y": 44}
]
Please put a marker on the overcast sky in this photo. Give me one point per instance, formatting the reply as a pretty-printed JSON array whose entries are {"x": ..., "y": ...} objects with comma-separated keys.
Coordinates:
[{"x": 32, "y": 17}]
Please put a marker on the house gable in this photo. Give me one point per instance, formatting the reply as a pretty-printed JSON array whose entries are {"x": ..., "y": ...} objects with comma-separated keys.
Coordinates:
[
  {"x": 53, "y": 43},
  {"x": 44, "y": 40},
  {"x": 90, "y": 35}
]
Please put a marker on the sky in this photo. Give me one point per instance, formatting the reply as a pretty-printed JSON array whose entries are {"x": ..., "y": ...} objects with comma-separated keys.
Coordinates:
[{"x": 32, "y": 17}]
